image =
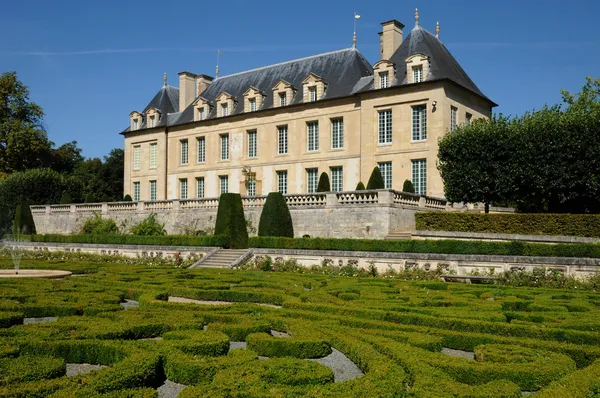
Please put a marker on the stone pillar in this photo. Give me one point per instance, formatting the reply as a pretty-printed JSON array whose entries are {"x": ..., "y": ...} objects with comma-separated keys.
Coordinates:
[
  {"x": 73, "y": 209},
  {"x": 104, "y": 208},
  {"x": 422, "y": 201},
  {"x": 385, "y": 197},
  {"x": 140, "y": 206},
  {"x": 48, "y": 209},
  {"x": 176, "y": 205},
  {"x": 331, "y": 199}
]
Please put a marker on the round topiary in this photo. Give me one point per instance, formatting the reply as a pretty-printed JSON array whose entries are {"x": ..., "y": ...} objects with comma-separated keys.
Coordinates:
[
  {"x": 360, "y": 186},
  {"x": 408, "y": 186},
  {"x": 231, "y": 222},
  {"x": 324, "y": 185},
  {"x": 275, "y": 219},
  {"x": 23, "y": 222},
  {"x": 66, "y": 199},
  {"x": 90, "y": 198},
  {"x": 376, "y": 180},
  {"x": 127, "y": 198}
]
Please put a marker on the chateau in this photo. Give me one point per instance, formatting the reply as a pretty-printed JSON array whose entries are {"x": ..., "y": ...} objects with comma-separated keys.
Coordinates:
[{"x": 277, "y": 128}]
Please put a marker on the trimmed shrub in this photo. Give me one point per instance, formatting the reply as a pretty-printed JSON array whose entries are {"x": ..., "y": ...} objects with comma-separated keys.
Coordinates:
[
  {"x": 127, "y": 198},
  {"x": 149, "y": 227},
  {"x": 167, "y": 240},
  {"x": 99, "y": 226},
  {"x": 30, "y": 368},
  {"x": 66, "y": 199},
  {"x": 324, "y": 185},
  {"x": 587, "y": 225},
  {"x": 360, "y": 186},
  {"x": 23, "y": 223},
  {"x": 376, "y": 179},
  {"x": 269, "y": 346},
  {"x": 90, "y": 198},
  {"x": 231, "y": 222},
  {"x": 408, "y": 186},
  {"x": 4, "y": 220},
  {"x": 275, "y": 219}
]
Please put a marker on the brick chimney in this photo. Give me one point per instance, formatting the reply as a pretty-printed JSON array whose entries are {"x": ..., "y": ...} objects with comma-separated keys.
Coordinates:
[
  {"x": 202, "y": 83},
  {"x": 187, "y": 89},
  {"x": 390, "y": 38}
]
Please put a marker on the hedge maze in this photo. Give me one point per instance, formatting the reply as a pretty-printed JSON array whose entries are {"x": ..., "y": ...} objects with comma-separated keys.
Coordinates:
[{"x": 504, "y": 341}]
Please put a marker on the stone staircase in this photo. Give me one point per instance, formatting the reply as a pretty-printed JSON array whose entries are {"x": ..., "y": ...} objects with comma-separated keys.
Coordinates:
[
  {"x": 222, "y": 258},
  {"x": 396, "y": 235}
]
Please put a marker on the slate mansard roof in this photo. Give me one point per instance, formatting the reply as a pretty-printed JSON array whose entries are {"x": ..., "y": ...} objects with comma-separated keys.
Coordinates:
[{"x": 345, "y": 72}]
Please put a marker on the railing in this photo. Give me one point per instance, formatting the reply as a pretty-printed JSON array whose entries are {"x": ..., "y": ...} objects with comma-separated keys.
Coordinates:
[
  {"x": 121, "y": 206},
  {"x": 158, "y": 205},
  {"x": 88, "y": 207},
  {"x": 210, "y": 203},
  {"x": 435, "y": 203},
  {"x": 358, "y": 197},
  {"x": 406, "y": 199},
  {"x": 253, "y": 201},
  {"x": 38, "y": 209},
  {"x": 303, "y": 200}
]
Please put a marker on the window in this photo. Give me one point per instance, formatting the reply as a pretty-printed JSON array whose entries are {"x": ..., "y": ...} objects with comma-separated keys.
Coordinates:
[
  {"x": 224, "y": 109},
  {"x": 252, "y": 152},
  {"x": 199, "y": 187},
  {"x": 282, "y": 99},
  {"x": 312, "y": 94},
  {"x": 251, "y": 187},
  {"x": 136, "y": 157},
  {"x": 418, "y": 74},
  {"x": 183, "y": 188},
  {"x": 386, "y": 173},
  {"x": 468, "y": 118},
  {"x": 419, "y": 128},
  {"x": 224, "y": 184},
  {"x": 385, "y": 127},
  {"x": 152, "y": 190},
  {"x": 383, "y": 79},
  {"x": 201, "y": 113},
  {"x": 152, "y": 121},
  {"x": 453, "y": 111},
  {"x": 337, "y": 179},
  {"x": 313, "y": 136},
  {"x": 136, "y": 124},
  {"x": 419, "y": 176},
  {"x": 153, "y": 156},
  {"x": 312, "y": 180},
  {"x": 136, "y": 191},
  {"x": 282, "y": 140},
  {"x": 224, "y": 146},
  {"x": 184, "y": 152},
  {"x": 282, "y": 181},
  {"x": 252, "y": 102},
  {"x": 201, "y": 149},
  {"x": 337, "y": 133}
]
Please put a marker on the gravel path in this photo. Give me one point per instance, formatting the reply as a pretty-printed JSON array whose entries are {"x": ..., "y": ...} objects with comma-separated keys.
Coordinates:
[
  {"x": 170, "y": 389},
  {"x": 31, "y": 321},
  {"x": 74, "y": 369},
  {"x": 130, "y": 304},
  {"x": 458, "y": 353},
  {"x": 281, "y": 335},
  {"x": 343, "y": 368},
  {"x": 173, "y": 299},
  {"x": 234, "y": 345}
]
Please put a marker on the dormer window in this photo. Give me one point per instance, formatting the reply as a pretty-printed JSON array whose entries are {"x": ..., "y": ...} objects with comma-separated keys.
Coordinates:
[
  {"x": 136, "y": 120},
  {"x": 252, "y": 102},
  {"x": 201, "y": 109},
  {"x": 225, "y": 103},
  {"x": 152, "y": 121},
  {"x": 283, "y": 93},
  {"x": 224, "y": 109},
  {"x": 384, "y": 72},
  {"x": 282, "y": 99},
  {"x": 417, "y": 68},
  {"x": 201, "y": 113},
  {"x": 417, "y": 74},
  {"x": 383, "y": 79},
  {"x": 314, "y": 88},
  {"x": 253, "y": 99},
  {"x": 152, "y": 117},
  {"x": 136, "y": 124},
  {"x": 312, "y": 94}
]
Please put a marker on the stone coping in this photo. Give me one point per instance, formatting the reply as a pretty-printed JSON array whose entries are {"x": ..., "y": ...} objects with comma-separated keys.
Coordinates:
[
  {"x": 434, "y": 256},
  {"x": 34, "y": 273},
  {"x": 504, "y": 237},
  {"x": 118, "y": 246}
]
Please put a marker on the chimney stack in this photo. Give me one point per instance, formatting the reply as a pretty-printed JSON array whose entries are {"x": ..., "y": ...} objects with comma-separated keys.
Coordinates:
[
  {"x": 390, "y": 38},
  {"x": 202, "y": 83},
  {"x": 187, "y": 89}
]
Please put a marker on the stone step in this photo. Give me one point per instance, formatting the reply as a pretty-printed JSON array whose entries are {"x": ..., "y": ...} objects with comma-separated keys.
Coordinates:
[
  {"x": 222, "y": 258},
  {"x": 399, "y": 236}
]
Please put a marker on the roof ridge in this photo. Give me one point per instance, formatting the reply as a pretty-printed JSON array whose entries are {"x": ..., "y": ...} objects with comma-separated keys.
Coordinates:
[{"x": 285, "y": 62}]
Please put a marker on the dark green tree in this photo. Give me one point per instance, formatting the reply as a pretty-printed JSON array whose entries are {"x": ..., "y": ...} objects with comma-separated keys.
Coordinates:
[
  {"x": 231, "y": 222},
  {"x": 324, "y": 185},
  {"x": 36, "y": 187},
  {"x": 360, "y": 186},
  {"x": 275, "y": 219},
  {"x": 376, "y": 179},
  {"x": 90, "y": 198},
  {"x": 66, "y": 199},
  {"x": 408, "y": 186},
  {"x": 114, "y": 172},
  {"x": 23, "y": 222},
  {"x": 66, "y": 158},
  {"x": 127, "y": 198}
]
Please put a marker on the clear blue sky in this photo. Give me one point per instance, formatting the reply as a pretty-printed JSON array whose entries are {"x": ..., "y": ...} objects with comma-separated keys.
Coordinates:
[{"x": 90, "y": 63}]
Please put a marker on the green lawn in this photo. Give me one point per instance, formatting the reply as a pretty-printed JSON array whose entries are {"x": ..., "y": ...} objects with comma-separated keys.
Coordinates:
[{"x": 524, "y": 339}]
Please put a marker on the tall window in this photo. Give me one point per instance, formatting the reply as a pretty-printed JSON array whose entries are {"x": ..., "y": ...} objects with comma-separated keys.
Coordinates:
[
  {"x": 183, "y": 159},
  {"x": 312, "y": 94},
  {"x": 252, "y": 150},
  {"x": 282, "y": 99},
  {"x": 199, "y": 187},
  {"x": 337, "y": 179},
  {"x": 385, "y": 127},
  {"x": 223, "y": 184},
  {"x": 136, "y": 191},
  {"x": 153, "y": 155},
  {"x": 419, "y": 176},
  {"x": 313, "y": 136},
  {"x": 419, "y": 119},
  {"x": 282, "y": 181},
  {"x": 453, "y": 111},
  {"x": 251, "y": 187},
  {"x": 183, "y": 188},
  {"x": 136, "y": 157},
  {"x": 383, "y": 79},
  {"x": 386, "y": 173},
  {"x": 282, "y": 139},
  {"x": 468, "y": 118},
  {"x": 152, "y": 190},
  {"x": 152, "y": 121},
  {"x": 136, "y": 124},
  {"x": 418, "y": 74},
  {"x": 201, "y": 149},
  {"x": 224, "y": 146},
  {"x": 337, "y": 133},
  {"x": 312, "y": 180},
  {"x": 201, "y": 113},
  {"x": 224, "y": 109},
  {"x": 252, "y": 102}
]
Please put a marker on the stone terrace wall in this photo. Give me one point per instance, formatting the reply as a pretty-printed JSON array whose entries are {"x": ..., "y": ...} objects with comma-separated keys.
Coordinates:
[{"x": 361, "y": 214}]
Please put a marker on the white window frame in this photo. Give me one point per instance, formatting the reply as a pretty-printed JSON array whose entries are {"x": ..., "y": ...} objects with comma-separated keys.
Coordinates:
[
  {"x": 312, "y": 180},
  {"x": 223, "y": 184},
  {"x": 386, "y": 172},
  {"x": 283, "y": 99},
  {"x": 137, "y": 188},
  {"x": 312, "y": 135},
  {"x": 183, "y": 188},
  {"x": 200, "y": 187},
  {"x": 453, "y": 116},
  {"x": 153, "y": 190},
  {"x": 419, "y": 175},
  {"x": 137, "y": 149},
  {"x": 282, "y": 181},
  {"x": 201, "y": 113},
  {"x": 136, "y": 124},
  {"x": 417, "y": 73},
  {"x": 201, "y": 147},
  {"x": 337, "y": 133},
  {"x": 153, "y": 155},
  {"x": 337, "y": 178},
  {"x": 383, "y": 79},
  {"x": 252, "y": 103},
  {"x": 468, "y": 118},
  {"x": 384, "y": 126},
  {"x": 184, "y": 151},
  {"x": 419, "y": 123},
  {"x": 224, "y": 146},
  {"x": 225, "y": 109},
  {"x": 312, "y": 93},
  {"x": 251, "y": 188},
  {"x": 282, "y": 140},
  {"x": 252, "y": 143}
]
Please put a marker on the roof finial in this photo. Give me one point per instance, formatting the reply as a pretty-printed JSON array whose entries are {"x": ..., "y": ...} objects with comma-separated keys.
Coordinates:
[
  {"x": 356, "y": 16},
  {"x": 437, "y": 30},
  {"x": 165, "y": 78},
  {"x": 416, "y": 17},
  {"x": 217, "y": 71}
]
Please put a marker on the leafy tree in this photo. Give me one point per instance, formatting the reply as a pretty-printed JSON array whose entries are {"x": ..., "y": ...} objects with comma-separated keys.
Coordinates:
[
  {"x": 66, "y": 199},
  {"x": 90, "y": 198},
  {"x": 4, "y": 220},
  {"x": 149, "y": 227},
  {"x": 99, "y": 226},
  {"x": 324, "y": 185},
  {"x": 127, "y": 198},
  {"x": 360, "y": 186},
  {"x": 275, "y": 219},
  {"x": 114, "y": 172},
  {"x": 23, "y": 223},
  {"x": 408, "y": 186},
  {"x": 36, "y": 187},
  {"x": 231, "y": 222},
  {"x": 66, "y": 158},
  {"x": 376, "y": 179}
]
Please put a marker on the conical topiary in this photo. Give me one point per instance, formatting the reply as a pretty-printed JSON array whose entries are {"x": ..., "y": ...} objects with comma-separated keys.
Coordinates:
[
  {"x": 408, "y": 186},
  {"x": 231, "y": 222},
  {"x": 376, "y": 180},
  {"x": 275, "y": 219},
  {"x": 90, "y": 198},
  {"x": 127, "y": 198},
  {"x": 23, "y": 222},
  {"x": 360, "y": 186},
  {"x": 324, "y": 185},
  {"x": 66, "y": 199}
]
